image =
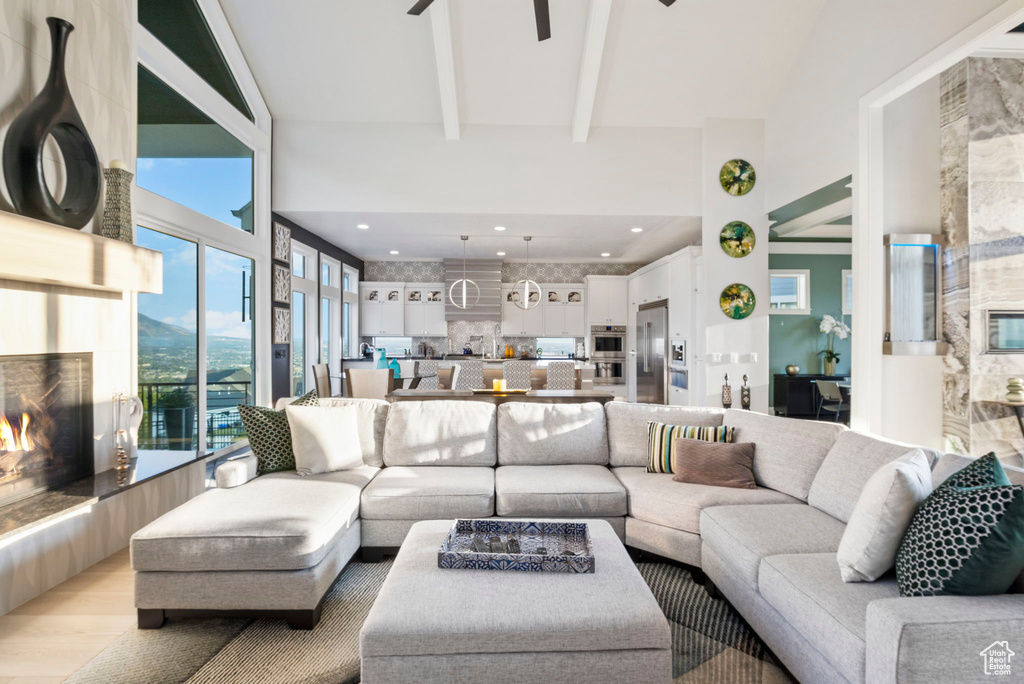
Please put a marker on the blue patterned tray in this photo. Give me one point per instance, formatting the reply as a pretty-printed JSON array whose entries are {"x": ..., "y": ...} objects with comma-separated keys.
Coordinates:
[{"x": 543, "y": 546}]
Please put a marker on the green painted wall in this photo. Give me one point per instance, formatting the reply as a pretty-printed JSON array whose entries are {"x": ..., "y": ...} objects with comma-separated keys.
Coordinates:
[{"x": 796, "y": 339}]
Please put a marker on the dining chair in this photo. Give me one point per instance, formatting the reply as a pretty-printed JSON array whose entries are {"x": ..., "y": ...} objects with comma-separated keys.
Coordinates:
[
  {"x": 516, "y": 374},
  {"x": 561, "y": 375},
  {"x": 832, "y": 400},
  {"x": 369, "y": 383},
  {"x": 322, "y": 380},
  {"x": 453, "y": 376},
  {"x": 470, "y": 376},
  {"x": 426, "y": 373}
]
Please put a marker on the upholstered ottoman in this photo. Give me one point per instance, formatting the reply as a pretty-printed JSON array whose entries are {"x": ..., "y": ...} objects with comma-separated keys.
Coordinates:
[{"x": 453, "y": 626}]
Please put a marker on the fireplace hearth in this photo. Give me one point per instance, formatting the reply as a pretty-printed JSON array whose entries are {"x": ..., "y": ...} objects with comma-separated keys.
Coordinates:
[{"x": 45, "y": 422}]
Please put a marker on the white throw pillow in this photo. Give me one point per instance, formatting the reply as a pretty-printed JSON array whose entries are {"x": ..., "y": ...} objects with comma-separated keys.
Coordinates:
[
  {"x": 881, "y": 517},
  {"x": 324, "y": 438}
]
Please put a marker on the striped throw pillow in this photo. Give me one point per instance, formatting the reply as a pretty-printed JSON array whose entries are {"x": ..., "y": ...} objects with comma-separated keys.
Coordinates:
[{"x": 661, "y": 440}]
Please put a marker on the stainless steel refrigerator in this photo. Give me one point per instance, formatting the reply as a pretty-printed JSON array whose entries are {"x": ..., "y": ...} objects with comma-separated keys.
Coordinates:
[{"x": 652, "y": 353}]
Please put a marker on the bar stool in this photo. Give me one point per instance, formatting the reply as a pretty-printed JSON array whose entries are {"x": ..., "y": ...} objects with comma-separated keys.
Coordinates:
[
  {"x": 426, "y": 371},
  {"x": 561, "y": 375},
  {"x": 516, "y": 374}
]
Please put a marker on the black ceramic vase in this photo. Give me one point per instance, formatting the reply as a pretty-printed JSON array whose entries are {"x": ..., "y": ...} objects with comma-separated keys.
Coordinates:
[{"x": 53, "y": 112}]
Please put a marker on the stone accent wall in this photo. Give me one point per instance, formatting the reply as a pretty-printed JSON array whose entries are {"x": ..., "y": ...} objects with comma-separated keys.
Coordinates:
[{"x": 983, "y": 202}]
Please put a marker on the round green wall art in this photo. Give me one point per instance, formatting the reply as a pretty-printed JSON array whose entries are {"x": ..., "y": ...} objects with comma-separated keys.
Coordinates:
[
  {"x": 737, "y": 177},
  {"x": 737, "y": 301},
  {"x": 737, "y": 239}
]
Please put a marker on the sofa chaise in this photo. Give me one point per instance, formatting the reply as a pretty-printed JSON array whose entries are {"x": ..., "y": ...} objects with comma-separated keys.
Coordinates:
[{"x": 273, "y": 544}]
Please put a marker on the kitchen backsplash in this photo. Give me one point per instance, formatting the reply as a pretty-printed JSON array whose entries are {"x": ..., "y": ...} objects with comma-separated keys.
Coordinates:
[
  {"x": 459, "y": 333},
  {"x": 433, "y": 271}
]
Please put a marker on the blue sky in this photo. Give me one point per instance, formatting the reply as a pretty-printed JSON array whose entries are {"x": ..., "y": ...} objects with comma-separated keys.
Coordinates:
[{"x": 213, "y": 187}]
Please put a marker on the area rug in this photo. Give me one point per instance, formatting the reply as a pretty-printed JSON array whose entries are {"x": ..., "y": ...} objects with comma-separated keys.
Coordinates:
[{"x": 711, "y": 644}]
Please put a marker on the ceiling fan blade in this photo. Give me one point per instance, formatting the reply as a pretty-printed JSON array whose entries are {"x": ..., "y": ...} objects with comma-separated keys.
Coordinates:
[
  {"x": 540, "y": 8},
  {"x": 667, "y": 3},
  {"x": 418, "y": 8}
]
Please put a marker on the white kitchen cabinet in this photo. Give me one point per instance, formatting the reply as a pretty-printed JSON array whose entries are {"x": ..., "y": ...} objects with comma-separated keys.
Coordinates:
[
  {"x": 564, "y": 311},
  {"x": 424, "y": 310},
  {"x": 681, "y": 296},
  {"x": 516, "y": 322},
  {"x": 533, "y": 322},
  {"x": 654, "y": 284},
  {"x": 607, "y": 300},
  {"x": 382, "y": 309}
]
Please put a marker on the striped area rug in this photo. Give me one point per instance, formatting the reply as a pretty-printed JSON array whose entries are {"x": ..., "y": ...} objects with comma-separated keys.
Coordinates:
[{"x": 711, "y": 644}]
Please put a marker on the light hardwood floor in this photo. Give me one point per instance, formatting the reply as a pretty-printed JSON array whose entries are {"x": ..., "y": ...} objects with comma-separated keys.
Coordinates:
[{"x": 53, "y": 635}]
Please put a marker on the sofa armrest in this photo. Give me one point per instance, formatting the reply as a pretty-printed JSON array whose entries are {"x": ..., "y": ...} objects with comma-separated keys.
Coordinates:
[
  {"x": 236, "y": 471},
  {"x": 940, "y": 638}
]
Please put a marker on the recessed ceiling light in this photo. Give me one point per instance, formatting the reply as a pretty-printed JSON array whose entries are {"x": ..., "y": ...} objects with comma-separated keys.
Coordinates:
[
  {"x": 636, "y": 230},
  {"x": 501, "y": 254},
  {"x": 363, "y": 226},
  {"x": 499, "y": 227},
  {"x": 606, "y": 254},
  {"x": 394, "y": 251}
]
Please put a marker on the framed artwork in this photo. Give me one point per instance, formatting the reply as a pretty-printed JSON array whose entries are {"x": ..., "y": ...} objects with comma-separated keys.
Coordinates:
[
  {"x": 282, "y": 247},
  {"x": 282, "y": 284},
  {"x": 737, "y": 239},
  {"x": 282, "y": 326},
  {"x": 737, "y": 177},
  {"x": 737, "y": 301}
]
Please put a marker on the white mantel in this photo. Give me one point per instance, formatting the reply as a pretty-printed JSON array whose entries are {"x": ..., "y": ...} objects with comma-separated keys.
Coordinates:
[{"x": 39, "y": 252}]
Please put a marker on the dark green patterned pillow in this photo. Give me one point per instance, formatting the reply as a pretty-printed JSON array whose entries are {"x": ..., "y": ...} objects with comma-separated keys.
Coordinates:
[
  {"x": 269, "y": 434},
  {"x": 967, "y": 538}
]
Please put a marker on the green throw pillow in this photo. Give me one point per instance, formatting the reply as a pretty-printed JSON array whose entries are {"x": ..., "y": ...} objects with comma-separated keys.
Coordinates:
[
  {"x": 269, "y": 434},
  {"x": 967, "y": 537},
  {"x": 661, "y": 439}
]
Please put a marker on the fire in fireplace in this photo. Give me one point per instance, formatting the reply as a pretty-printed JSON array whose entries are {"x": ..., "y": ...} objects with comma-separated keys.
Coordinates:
[{"x": 45, "y": 422}]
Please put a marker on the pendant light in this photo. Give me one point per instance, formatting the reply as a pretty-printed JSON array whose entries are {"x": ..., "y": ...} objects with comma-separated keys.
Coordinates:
[
  {"x": 460, "y": 293},
  {"x": 527, "y": 287}
]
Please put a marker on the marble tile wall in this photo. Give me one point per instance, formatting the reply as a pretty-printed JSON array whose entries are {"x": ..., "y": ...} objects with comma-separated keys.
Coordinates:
[{"x": 983, "y": 201}]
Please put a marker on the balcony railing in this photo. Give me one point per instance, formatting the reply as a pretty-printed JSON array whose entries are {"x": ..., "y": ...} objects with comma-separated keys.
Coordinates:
[{"x": 170, "y": 420}]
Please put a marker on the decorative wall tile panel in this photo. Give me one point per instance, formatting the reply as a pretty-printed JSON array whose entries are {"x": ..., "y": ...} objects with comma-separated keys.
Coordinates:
[
  {"x": 404, "y": 271},
  {"x": 433, "y": 271}
]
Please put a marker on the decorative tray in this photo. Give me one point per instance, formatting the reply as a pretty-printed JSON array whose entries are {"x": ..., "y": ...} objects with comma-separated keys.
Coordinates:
[
  {"x": 517, "y": 545},
  {"x": 504, "y": 391}
]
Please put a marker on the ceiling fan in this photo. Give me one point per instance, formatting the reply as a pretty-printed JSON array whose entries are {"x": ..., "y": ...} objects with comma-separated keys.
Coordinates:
[{"x": 540, "y": 9}]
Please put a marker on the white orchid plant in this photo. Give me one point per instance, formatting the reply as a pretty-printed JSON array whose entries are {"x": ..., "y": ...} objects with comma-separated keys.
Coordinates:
[{"x": 833, "y": 329}]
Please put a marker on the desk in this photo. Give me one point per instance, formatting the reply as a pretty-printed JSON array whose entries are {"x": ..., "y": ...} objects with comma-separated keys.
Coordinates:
[
  {"x": 534, "y": 396},
  {"x": 797, "y": 396}
]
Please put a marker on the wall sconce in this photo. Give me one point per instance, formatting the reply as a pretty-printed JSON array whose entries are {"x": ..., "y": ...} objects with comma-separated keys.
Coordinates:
[{"x": 914, "y": 295}]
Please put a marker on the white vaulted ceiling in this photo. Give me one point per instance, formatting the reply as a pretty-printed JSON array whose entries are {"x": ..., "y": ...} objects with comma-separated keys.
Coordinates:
[{"x": 335, "y": 71}]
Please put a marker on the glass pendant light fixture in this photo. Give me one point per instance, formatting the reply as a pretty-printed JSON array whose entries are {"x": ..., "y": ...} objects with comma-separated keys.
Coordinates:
[
  {"x": 529, "y": 291},
  {"x": 464, "y": 289}
]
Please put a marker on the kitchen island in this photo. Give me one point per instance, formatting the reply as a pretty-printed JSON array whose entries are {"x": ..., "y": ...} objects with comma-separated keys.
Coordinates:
[{"x": 533, "y": 396}]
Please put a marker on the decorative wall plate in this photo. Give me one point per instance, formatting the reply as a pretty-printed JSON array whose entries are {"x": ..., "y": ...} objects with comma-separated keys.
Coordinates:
[
  {"x": 737, "y": 301},
  {"x": 282, "y": 242},
  {"x": 737, "y": 177},
  {"x": 282, "y": 284},
  {"x": 282, "y": 326},
  {"x": 737, "y": 239}
]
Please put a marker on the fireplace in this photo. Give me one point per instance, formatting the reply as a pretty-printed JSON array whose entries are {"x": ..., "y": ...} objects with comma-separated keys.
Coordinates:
[{"x": 45, "y": 422}]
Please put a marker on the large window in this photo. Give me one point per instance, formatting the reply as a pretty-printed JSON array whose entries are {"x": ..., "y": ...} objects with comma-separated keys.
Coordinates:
[
  {"x": 202, "y": 173},
  {"x": 305, "y": 317},
  {"x": 349, "y": 312},
  {"x": 187, "y": 157},
  {"x": 168, "y": 347},
  {"x": 394, "y": 346},
  {"x": 557, "y": 346}
]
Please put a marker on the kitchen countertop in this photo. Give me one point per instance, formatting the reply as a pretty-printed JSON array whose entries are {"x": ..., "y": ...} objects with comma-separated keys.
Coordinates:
[{"x": 468, "y": 356}]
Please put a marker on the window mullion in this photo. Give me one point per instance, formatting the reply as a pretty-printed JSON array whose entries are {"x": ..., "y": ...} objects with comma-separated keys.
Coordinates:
[{"x": 201, "y": 342}]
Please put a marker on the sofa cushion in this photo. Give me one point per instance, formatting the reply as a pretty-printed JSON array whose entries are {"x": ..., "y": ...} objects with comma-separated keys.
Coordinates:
[
  {"x": 743, "y": 535},
  {"x": 372, "y": 415},
  {"x": 552, "y": 434},
  {"x": 270, "y": 436},
  {"x": 662, "y": 438},
  {"x": 429, "y": 492},
  {"x": 628, "y": 430},
  {"x": 789, "y": 452},
  {"x": 280, "y": 521},
  {"x": 718, "y": 465},
  {"x": 850, "y": 463},
  {"x": 807, "y": 591},
  {"x": 440, "y": 433},
  {"x": 558, "y": 490},
  {"x": 656, "y": 498}
]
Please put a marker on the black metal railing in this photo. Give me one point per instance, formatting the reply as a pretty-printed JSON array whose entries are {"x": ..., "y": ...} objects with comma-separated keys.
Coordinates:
[{"x": 171, "y": 422}]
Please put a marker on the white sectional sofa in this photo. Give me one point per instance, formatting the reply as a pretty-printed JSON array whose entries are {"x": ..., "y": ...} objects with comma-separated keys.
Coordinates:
[{"x": 272, "y": 545}]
